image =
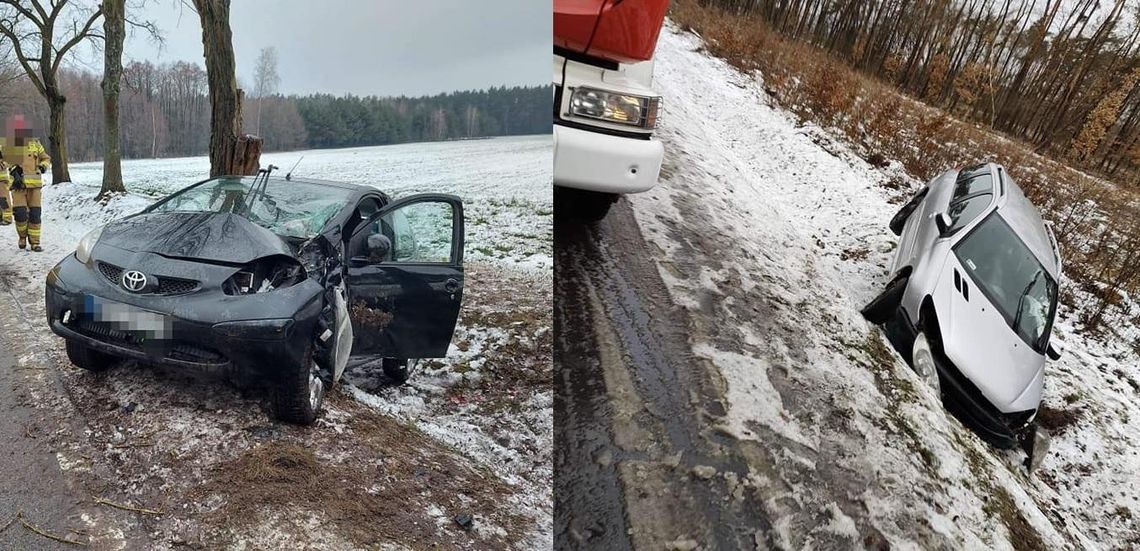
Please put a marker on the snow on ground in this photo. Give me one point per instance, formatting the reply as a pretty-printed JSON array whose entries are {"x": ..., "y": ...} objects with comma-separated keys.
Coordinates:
[
  {"x": 508, "y": 204},
  {"x": 490, "y": 400},
  {"x": 773, "y": 234}
]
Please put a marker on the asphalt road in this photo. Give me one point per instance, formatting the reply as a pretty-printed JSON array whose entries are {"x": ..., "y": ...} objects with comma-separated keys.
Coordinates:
[
  {"x": 638, "y": 463},
  {"x": 31, "y": 479}
]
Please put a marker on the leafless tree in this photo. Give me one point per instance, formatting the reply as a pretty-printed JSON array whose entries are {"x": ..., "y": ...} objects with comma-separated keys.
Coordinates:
[
  {"x": 41, "y": 36},
  {"x": 227, "y": 154},
  {"x": 115, "y": 29},
  {"x": 265, "y": 80}
]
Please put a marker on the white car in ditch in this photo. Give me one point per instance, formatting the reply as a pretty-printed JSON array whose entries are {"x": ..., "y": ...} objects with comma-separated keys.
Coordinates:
[{"x": 972, "y": 297}]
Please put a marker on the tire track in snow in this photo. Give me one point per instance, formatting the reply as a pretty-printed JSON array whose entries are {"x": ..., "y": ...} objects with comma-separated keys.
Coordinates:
[{"x": 681, "y": 479}]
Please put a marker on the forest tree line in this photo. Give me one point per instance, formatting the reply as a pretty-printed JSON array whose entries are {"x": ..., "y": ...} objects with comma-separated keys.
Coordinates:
[
  {"x": 165, "y": 112},
  {"x": 1064, "y": 76}
]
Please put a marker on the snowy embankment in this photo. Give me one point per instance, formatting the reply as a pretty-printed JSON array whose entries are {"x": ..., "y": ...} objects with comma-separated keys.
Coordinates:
[
  {"x": 490, "y": 400},
  {"x": 773, "y": 234}
]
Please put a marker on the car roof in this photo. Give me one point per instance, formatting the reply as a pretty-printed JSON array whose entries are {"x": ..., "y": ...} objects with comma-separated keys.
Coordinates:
[
  {"x": 358, "y": 191},
  {"x": 1025, "y": 220},
  {"x": 319, "y": 182}
]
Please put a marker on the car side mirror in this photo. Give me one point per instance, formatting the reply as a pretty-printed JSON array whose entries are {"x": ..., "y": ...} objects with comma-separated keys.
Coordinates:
[
  {"x": 1054, "y": 351},
  {"x": 943, "y": 221},
  {"x": 379, "y": 245}
]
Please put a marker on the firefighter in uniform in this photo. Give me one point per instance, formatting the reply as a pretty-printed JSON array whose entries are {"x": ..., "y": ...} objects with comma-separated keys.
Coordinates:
[
  {"x": 30, "y": 162},
  {"x": 5, "y": 195}
]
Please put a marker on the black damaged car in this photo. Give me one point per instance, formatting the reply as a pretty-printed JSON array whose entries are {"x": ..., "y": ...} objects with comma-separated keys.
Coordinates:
[{"x": 276, "y": 280}]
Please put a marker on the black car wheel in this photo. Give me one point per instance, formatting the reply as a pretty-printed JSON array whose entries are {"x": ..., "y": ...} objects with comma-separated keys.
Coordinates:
[
  {"x": 883, "y": 307},
  {"x": 300, "y": 395},
  {"x": 904, "y": 213},
  {"x": 86, "y": 358},
  {"x": 398, "y": 369}
]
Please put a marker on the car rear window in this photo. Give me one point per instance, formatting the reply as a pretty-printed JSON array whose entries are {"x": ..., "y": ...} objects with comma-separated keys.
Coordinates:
[
  {"x": 982, "y": 183},
  {"x": 964, "y": 211}
]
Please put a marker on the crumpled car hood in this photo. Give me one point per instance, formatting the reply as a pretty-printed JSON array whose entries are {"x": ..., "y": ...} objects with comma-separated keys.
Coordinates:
[{"x": 209, "y": 236}]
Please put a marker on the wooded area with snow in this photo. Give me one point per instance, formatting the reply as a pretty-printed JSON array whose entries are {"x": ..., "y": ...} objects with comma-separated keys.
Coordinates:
[{"x": 165, "y": 113}]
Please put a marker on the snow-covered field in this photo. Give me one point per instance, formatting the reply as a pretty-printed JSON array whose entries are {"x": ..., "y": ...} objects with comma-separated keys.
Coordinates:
[
  {"x": 507, "y": 204},
  {"x": 857, "y": 450},
  {"x": 470, "y": 434}
]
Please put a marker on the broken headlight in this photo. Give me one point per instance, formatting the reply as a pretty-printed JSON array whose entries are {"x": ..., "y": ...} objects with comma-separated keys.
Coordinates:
[{"x": 264, "y": 275}]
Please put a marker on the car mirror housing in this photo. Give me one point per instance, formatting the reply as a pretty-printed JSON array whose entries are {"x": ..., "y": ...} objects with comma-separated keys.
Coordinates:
[
  {"x": 1054, "y": 351},
  {"x": 943, "y": 221},
  {"x": 379, "y": 245}
]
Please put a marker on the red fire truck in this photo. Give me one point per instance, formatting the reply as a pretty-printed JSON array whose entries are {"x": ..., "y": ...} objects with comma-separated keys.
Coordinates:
[{"x": 605, "y": 107}]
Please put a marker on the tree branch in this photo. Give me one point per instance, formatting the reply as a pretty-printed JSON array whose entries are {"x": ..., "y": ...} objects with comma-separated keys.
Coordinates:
[
  {"x": 24, "y": 11},
  {"x": 86, "y": 32},
  {"x": 151, "y": 29},
  {"x": 7, "y": 27}
]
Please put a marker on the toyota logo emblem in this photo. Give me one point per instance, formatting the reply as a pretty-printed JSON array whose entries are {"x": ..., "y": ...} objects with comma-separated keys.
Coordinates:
[{"x": 134, "y": 280}]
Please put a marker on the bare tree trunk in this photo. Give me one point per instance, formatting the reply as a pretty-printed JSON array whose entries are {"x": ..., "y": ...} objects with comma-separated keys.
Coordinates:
[
  {"x": 114, "y": 29},
  {"x": 225, "y": 98},
  {"x": 154, "y": 131},
  {"x": 57, "y": 146}
]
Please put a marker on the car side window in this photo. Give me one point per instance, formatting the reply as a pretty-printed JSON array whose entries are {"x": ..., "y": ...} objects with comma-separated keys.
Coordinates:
[
  {"x": 964, "y": 211},
  {"x": 419, "y": 232},
  {"x": 982, "y": 183}
]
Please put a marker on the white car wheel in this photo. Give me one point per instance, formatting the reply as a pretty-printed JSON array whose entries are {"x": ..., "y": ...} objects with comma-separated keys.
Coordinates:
[{"x": 923, "y": 360}]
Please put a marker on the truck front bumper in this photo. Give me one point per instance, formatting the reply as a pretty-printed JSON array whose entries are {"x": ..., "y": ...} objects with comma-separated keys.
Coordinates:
[{"x": 600, "y": 162}]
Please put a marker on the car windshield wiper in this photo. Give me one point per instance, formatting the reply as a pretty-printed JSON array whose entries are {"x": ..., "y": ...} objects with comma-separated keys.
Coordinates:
[
  {"x": 1021, "y": 299},
  {"x": 260, "y": 182}
]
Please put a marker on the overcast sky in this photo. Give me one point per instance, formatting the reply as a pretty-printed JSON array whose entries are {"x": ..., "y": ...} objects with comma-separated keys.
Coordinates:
[{"x": 365, "y": 47}]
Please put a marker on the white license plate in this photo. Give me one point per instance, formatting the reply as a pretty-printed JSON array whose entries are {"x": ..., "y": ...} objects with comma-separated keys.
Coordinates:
[{"x": 124, "y": 317}]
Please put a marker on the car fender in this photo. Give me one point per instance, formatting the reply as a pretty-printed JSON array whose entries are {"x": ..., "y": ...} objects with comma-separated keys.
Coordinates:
[{"x": 924, "y": 275}]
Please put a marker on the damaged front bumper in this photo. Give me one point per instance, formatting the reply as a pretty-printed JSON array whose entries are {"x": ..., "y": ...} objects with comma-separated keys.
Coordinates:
[
  {"x": 201, "y": 330},
  {"x": 999, "y": 429}
]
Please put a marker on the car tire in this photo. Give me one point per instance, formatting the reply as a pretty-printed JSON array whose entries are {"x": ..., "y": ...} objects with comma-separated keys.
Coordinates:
[
  {"x": 883, "y": 307},
  {"x": 88, "y": 359},
  {"x": 398, "y": 369},
  {"x": 899, "y": 220},
  {"x": 923, "y": 359},
  {"x": 301, "y": 393},
  {"x": 590, "y": 206}
]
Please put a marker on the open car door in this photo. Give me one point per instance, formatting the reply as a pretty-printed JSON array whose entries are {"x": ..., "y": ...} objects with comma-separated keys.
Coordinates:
[{"x": 405, "y": 278}]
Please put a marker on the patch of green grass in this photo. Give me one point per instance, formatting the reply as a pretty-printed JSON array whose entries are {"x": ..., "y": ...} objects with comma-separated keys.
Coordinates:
[
  {"x": 1022, "y": 535},
  {"x": 881, "y": 363},
  {"x": 999, "y": 503},
  {"x": 1072, "y": 397},
  {"x": 150, "y": 191},
  {"x": 882, "y": 367}
]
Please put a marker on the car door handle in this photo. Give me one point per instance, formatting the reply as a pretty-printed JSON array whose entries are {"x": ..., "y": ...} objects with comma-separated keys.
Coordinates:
[{"x": 451, "y": 286}]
